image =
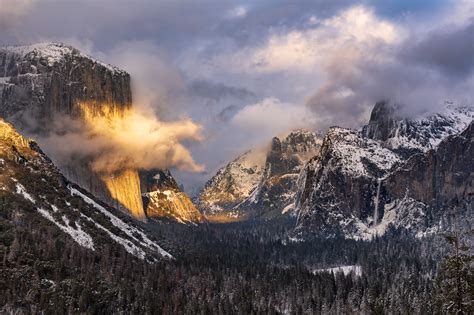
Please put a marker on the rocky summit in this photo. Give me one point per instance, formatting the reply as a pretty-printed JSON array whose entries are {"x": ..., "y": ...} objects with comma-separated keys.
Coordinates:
[
  {"x": 163, "y": 198},
  {"x": 259, "y": 183}
]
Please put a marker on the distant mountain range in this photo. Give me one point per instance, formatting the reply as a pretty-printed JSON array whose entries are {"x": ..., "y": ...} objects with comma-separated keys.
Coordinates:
[
  {"x": 407, "y": 172},
  {"x": 413, "y": 173}
]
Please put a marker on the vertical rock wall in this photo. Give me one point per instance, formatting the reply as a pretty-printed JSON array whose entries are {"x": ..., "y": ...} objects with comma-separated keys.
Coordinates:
[{"x": 42, "y": 84}]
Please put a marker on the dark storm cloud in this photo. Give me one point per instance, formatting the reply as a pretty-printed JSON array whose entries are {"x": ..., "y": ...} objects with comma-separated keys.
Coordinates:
[
  {"x": 107, "y": 22},
  {"x": 263, "y": 16},
  {"x": 419, "y": 74},
  {"x": 448, "y": 51},
  {"x": 227, "y": 113},
  {"x": 218, "y": 91},
  {"x": 171, "y": 24},
  {"x": 395, "y": 8}
]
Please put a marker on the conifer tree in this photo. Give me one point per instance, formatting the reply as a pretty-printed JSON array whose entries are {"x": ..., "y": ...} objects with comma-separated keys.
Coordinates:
[{"x": 455, "y": 280}]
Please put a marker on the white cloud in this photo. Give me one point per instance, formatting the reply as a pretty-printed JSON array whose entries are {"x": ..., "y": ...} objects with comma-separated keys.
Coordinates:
[
  {"x": 15, "y": 7},
  {"x": 271, "y": 117},
  {"x": 353, "y": 32},
  {"x": 155, "y": 82},
  {"x": 313, "y": 20},
  {"x": 238, "y": 12}
]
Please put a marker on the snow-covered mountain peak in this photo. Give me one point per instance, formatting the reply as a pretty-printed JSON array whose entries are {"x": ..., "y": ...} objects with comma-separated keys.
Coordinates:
[
  {"x": 358, "y": 155},
  {"x": 46, "y": 54},
  {"x": 418, "y": 134},
  {"x": 260, "y": 181}
]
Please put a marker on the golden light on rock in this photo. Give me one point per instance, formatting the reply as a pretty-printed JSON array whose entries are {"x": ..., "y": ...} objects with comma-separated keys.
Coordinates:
[
  {"x": 129, "y": 138},
  {"x": 124, "y": 187},
  {"x": 122, "y": 141}
]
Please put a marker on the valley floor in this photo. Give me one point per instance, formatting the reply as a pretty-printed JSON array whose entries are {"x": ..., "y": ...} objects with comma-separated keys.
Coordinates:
[{"x": 236, "y": 268}]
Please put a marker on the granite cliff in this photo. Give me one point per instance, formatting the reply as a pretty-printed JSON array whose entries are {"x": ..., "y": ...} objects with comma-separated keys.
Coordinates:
[
  {"x": 410, "y": 173},
  {"x": 51, "y": 89}
]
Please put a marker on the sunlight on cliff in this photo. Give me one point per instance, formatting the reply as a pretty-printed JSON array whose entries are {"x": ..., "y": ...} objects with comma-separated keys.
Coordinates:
[
  {"x": 124, "y": 187},
  {"x": 109, "y": 144},
  {"x": 172, "y": 204}
]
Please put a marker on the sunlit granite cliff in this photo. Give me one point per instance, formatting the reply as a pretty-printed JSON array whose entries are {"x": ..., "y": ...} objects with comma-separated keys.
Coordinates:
[{"x": 51, "y": 89}]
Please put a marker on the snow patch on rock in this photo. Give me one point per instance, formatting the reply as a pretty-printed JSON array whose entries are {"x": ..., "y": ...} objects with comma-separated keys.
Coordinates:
[
  {"x": 20, "y": 189},
  {"x": 129, "y": 230},
  {"x": 78, "y": 235}
]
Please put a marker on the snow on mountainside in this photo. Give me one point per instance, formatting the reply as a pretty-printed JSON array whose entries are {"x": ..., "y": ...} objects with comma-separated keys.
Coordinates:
[
  {"x": 345, "y": 270},
  {"x": 232, "y": 184},
  {"x": 30, "y": 185},
  {"x": 420, "y": 134},
  {"x": 52, "y": 53},
  {"x": 259, "y": 183},
  {"x": 361, "y": 156},
  {"x": 345, "y": 187}
]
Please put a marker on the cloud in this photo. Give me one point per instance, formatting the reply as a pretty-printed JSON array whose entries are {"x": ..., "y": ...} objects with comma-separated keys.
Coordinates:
[
  {"x": 305, "y": 50},
  {"x": 12, "y": 9},
  {"x": 227, "y": 113},
  {"x": 217, "y": 91},
  {"x": 156, "y": 83},
  {"x": 361, "y": 69},
  {"x": 118, "y": 141},
  {"x": 238, "y": 12},
  {"x": 271, "y": 117},
  {"x": 448, "y": 51}
]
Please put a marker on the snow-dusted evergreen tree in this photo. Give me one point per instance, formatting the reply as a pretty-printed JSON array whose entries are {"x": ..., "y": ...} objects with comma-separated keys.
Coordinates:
[{"x": 455, "y": 279}]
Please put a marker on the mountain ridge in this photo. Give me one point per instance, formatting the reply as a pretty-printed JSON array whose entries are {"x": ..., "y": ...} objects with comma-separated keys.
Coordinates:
[
  {"x": 343, "y": 190},
  {"x": 248, "y": 186},
  {"x": 32, "y": 185}
]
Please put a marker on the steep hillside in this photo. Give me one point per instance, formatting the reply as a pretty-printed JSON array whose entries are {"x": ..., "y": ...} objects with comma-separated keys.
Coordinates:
[
  {"x": 232, "y": 185},
  {"x": 259, "y": 184},
  {"x": 343, "y": 188},
  {"x": 33, "y": 190}
]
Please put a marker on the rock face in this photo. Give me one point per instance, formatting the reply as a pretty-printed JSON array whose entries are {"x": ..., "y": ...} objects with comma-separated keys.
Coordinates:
[
  {"x": 232, "y": 185},
  {"x": 162, "y": 198},
  {"x": 390, "y": 172},
  {"x": 44, "y": 83},
  {"x": 440, "y": 181},
  {"x": 36, "y": 195},
  {"x": 43, "y": 80},
  {"x": 259, "y": 185},
  {"x": 47, "y": 87},
  {"x": 410, "y": 136}
]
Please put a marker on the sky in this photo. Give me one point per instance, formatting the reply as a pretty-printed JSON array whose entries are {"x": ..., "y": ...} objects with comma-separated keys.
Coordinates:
[{"x": 246, "y": 71}]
